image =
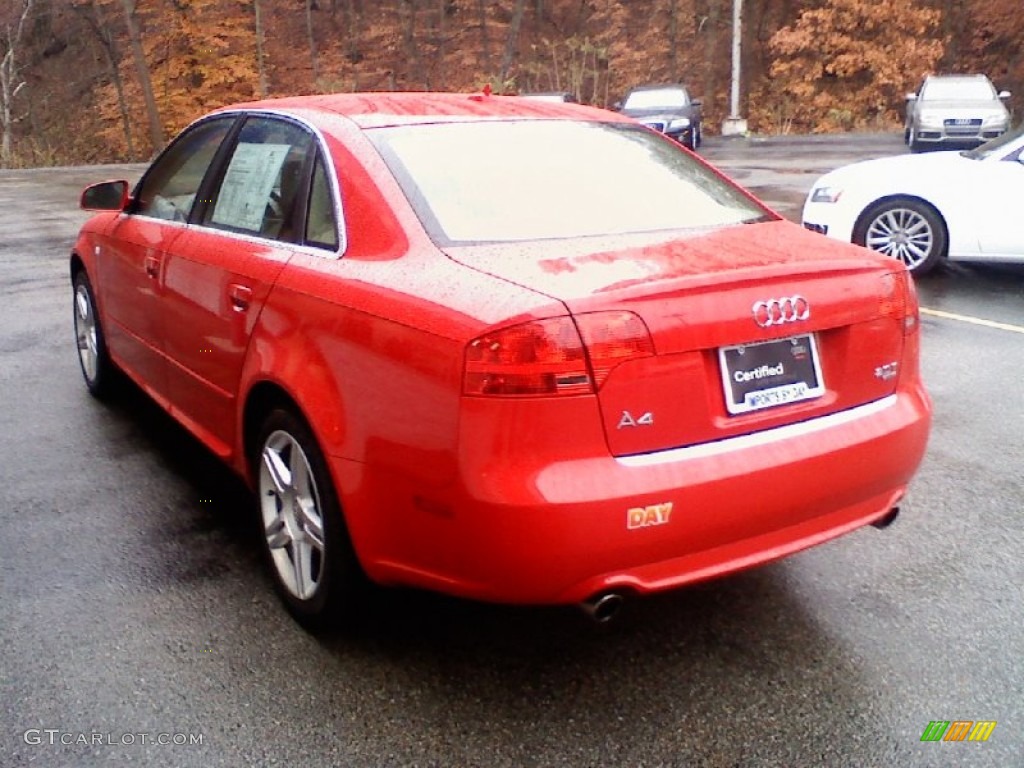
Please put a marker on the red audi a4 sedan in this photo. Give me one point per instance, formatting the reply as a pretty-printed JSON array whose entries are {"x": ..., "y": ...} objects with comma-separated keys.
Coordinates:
[{"x": 510, "y": 350}]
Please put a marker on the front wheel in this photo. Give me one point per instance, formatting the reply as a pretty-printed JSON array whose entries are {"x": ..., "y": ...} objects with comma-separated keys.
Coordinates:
[
  {"x": 97, "y": 368},
  {"x": 306, "y": 543},
  {"x": 905, "y": 228}
]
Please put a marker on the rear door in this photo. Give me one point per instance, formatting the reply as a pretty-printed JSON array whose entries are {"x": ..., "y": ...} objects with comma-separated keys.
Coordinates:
[{"x": 221, "y": 270}]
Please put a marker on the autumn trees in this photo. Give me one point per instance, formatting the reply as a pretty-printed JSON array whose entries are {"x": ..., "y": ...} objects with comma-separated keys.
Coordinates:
[
  {"x": 111, "y": 79},
  {"x": 845, "y": 65}
]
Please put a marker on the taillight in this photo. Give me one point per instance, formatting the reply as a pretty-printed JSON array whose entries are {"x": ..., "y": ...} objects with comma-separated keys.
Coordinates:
[
  {"x": 548, "y": 357},
  {"x": 911, "y": 320},
  {"x": 612, "y": 338},
  {"x": 542, "y": 357},
  {"x": 899, "y": 299},
  {"x": 899, "y": 302}
]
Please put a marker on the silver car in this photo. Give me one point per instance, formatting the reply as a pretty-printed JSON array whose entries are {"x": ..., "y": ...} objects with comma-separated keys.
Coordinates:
[{"x": 955, "y": 110}]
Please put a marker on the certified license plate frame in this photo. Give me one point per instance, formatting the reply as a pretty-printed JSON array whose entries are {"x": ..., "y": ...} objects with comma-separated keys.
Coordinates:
[{"x": 752, "y": 379}]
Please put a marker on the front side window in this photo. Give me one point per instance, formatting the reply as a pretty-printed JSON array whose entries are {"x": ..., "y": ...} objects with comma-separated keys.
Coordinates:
[
  {"x": 262, "y": 185},
  {"x": 515, "y": 180},
  {"x": 168, "y": 190}
]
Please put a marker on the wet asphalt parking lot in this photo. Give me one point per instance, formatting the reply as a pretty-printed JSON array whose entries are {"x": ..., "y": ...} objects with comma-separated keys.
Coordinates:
[{"x": 135, "y": 608}]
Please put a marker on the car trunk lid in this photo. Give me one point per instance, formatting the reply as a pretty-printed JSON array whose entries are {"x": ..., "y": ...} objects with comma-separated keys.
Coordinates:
[{"x": 753, "y": 326}]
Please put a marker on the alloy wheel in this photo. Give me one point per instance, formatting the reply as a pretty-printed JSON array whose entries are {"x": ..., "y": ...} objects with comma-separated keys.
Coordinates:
[
  {"x": 902, "y": 233},
  {"x": 291, "y": 512},
  {"x": 85, "y": 333}
]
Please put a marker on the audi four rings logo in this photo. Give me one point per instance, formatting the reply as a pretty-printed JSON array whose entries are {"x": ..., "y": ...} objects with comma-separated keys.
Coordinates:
[{"x": 778, "y": 311}]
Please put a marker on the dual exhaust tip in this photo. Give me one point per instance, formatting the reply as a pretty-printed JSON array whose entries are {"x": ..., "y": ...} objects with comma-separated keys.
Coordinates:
[{"x": 604, "y": 607}]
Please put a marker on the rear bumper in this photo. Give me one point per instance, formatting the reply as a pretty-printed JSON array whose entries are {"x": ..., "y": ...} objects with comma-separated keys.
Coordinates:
[{"x": 561, "y": 532}]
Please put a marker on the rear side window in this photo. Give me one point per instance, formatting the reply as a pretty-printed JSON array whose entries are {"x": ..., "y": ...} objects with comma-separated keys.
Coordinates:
[
  {"x": 260, "y": 191},
  {"x": 169, "y": 189},
  {"x": 321, "y": 222}
]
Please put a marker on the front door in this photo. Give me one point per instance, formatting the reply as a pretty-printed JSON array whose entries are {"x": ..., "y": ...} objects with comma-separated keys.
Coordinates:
[{"x": 132, "y": 260}]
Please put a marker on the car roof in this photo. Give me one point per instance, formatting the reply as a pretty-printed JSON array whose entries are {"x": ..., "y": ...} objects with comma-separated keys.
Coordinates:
[
  {"x": 657, "y": 87},
  {"x": 374, "y": 109},
  {"x": 957, "y": 77}
]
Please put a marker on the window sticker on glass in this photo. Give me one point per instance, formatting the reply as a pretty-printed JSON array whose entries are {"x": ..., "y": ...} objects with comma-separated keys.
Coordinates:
[{"x": 248, "y": 183}]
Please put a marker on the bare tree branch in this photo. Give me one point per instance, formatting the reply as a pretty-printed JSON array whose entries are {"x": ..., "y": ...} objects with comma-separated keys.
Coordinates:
[{"x": 10, "y": 83}]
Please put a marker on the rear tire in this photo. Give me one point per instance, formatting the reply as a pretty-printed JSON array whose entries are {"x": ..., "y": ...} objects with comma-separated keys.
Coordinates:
[
  {"x": 98, "y": 369},
  {"x": 305, "y": 540},
  {"x": 906, "y": 229}
]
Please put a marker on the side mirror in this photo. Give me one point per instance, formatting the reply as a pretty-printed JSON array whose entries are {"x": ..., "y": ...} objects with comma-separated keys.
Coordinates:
[
  {"x": 697, "y": 102},
  {"x": 105, "y": 196},
  {"x": 617, "y": 106},
  {"x": 1004, "y": 95},
  {"x": 911, "y": 97}
]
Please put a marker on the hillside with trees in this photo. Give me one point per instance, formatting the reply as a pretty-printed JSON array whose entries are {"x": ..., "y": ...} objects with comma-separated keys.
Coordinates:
[{"x": 111, "y": 80}]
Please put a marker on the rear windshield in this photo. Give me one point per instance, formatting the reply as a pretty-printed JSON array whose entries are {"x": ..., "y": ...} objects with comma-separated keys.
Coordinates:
[{"x": 507, "y": 181}]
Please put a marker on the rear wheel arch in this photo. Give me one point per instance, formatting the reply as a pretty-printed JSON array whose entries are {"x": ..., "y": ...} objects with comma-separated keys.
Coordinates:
[{"x": 263, "y": 398}]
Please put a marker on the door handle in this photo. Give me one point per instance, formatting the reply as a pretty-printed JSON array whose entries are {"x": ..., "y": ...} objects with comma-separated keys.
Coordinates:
[
  {"x": 240, "y": 297},
  {"x": 152, "y": 266}
]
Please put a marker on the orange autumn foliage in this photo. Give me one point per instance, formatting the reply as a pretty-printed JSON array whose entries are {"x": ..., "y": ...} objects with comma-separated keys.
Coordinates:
[
  {"x": 808, "y": 65},
  {"x": 845, "y": 65}
]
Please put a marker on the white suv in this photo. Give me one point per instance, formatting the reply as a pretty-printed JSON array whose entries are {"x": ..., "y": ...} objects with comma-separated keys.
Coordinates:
[{"x": 955, "y": 110}]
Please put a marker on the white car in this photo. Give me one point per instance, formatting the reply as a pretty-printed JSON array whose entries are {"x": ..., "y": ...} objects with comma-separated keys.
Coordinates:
[{"x": 921, "y": 209}]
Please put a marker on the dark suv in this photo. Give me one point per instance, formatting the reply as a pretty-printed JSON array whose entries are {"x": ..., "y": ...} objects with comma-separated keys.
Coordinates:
[{"x": 666, "y": 108}]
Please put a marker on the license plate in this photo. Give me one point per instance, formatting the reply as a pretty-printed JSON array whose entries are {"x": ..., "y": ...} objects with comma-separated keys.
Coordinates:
[{"x": 770, "y": 373}]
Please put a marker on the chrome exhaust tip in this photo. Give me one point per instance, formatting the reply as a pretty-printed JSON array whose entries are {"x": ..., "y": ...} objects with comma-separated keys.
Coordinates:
[
  {"x": 887, "y": 519},
  {"x": 602, "y": 609}
]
